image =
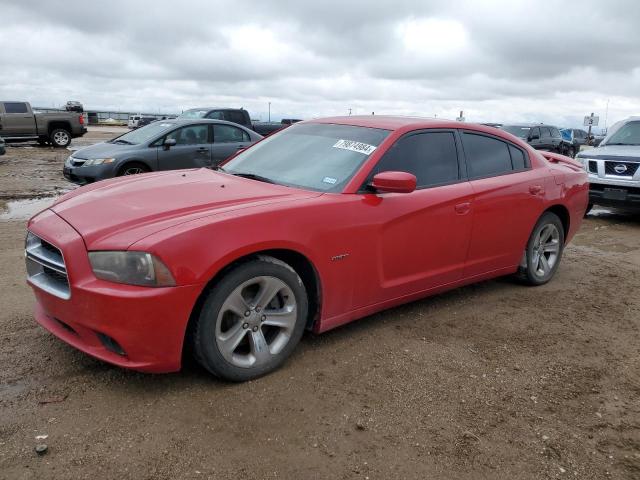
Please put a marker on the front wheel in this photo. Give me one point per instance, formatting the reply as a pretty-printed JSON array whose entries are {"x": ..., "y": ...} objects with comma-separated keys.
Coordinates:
[
  {"x": 133, "y": 168},
  {"x": 544, "y": 251},
  {"x": 251, "y": 320}
]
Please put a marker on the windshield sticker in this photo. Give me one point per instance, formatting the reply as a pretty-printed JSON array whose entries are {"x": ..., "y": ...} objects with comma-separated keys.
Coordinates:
[
  {"x": 330, "y": 180},
  {"x": 355, "y": 146}
]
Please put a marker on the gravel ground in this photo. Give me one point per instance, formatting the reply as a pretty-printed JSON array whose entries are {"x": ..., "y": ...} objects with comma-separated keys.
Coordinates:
[{"x": 494, "y": 380}]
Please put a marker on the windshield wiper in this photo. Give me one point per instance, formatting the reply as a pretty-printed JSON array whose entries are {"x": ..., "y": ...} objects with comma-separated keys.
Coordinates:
[{"x": 252, "y": 176}]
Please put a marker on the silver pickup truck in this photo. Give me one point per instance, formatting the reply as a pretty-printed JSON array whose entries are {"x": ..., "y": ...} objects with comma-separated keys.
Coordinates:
[
  {"x": 19, "y": 123},
  {"x": 614, "y": 166}
]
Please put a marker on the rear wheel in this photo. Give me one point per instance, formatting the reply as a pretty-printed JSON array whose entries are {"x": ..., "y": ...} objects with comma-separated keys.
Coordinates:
[
  {"x": 544, "y": 251},
  {"x": 60, "y": 138},
  {"x": 251, "y": 320},
  {"x": 133, "y": 168}
]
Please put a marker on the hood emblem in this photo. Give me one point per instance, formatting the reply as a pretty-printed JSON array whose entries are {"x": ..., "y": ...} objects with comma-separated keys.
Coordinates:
[{"x": 620, "y": 168}]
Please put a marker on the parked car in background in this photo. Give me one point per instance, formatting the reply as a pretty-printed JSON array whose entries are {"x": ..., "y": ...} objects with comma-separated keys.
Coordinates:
[
  {"x": 145, "y": 120},
  {"x": 3, "y": 149},
  {"x": 162, "y": 145},
  {"x": 236, "y": 115},
  {"x": 19, "y": 123},
  {"x": 323, "y": 223},
  {"x": 74, "y": 106},
  {"x": 542, "y": 137},
  {"x": 133, "y": 121},
  {"x": 614, "y": 166}
]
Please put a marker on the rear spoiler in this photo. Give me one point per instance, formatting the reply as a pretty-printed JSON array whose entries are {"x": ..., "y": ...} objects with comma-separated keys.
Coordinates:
[{"x": 558, "y": 159}]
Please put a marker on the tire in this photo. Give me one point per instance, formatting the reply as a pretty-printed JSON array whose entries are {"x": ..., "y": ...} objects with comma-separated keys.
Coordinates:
[
  {"x": 60, "y": 138},
  {"x": 544, "y": 251},
  {"x": 133, "y": 168},
  {"x": 239, "y": 346}
]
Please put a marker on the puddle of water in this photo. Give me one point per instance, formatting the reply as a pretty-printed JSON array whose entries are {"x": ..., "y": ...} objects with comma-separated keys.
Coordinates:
[{"x": 25, "y": 209}]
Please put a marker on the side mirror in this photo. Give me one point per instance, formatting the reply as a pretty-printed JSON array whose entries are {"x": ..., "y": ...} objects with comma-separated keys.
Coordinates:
[
  {"x": 394, "y": 182},
  {"x": 168, "y": 143}
]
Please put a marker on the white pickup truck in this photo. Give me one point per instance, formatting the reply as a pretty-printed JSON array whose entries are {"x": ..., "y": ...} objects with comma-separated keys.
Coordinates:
[{"x": 614, "y": 166}]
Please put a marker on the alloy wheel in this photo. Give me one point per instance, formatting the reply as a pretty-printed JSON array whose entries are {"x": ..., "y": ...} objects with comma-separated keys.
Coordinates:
[
  {"x": 61, "y": 138},
  {"x": 546, "y": 249},
  {"x": 256, "y": 322}
]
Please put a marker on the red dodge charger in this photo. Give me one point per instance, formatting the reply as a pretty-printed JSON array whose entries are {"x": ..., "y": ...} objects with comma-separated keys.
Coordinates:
[{"x": 325, "y": 222}]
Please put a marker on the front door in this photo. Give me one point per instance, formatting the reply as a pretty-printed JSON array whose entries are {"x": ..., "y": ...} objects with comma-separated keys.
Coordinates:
[
  {"x": 192, "y": 148},
  {"x": 417, "y": 241}
]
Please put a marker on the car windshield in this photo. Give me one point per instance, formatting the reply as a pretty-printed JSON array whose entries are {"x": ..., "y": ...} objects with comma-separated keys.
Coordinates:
[
  {"x": 314, "y": 156},
  {"x": 195, "y": 113},
  {"x": 142, "y": 135},
  {"x": 518, "y": 131},
  {"x": 628, "y": 134}
]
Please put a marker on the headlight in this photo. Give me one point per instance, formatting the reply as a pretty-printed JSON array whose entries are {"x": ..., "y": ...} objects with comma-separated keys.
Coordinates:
[
  {"x": 98, "y": 161},
  {"x": 133, "y": 268}
]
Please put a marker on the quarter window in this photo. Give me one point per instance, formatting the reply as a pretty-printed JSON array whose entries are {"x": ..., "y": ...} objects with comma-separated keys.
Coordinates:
[
  {"x": 518, "y": 159},
  {"x": 15, "y": 107},
  {"x": 432, "y": 157},
  {"x": 486, "y": 156},
  {"x": 229, "y": 134}
]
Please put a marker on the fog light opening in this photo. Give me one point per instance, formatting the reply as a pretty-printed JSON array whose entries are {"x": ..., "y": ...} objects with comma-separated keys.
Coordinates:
[{"x": 110, "y": 344}]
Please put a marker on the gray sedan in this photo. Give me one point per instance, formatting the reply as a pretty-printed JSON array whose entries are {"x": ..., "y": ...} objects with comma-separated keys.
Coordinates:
[{"x": 162, "y": 145}]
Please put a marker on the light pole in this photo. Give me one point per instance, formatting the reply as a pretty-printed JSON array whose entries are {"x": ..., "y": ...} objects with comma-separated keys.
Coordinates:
[{"x": 269, "y": 111}]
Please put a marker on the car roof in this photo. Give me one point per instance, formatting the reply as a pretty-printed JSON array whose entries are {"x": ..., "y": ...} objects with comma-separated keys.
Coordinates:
[
  {"x": 183, "y": 121},
  {"x": 212, "y": 108},
  {"x": 529, "y": 125}
]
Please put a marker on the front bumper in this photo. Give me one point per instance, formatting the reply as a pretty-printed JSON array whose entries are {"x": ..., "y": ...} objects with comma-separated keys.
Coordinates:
[
  {"x": 86, "y": 175},
  {"x": 614, "y": 195},
  {"x": 132, "y": 327}
]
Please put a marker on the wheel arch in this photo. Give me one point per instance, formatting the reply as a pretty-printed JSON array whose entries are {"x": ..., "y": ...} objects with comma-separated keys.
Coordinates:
[
  {"x": 59, "y": 124},
  {"x": 130, "y": 161},
  {"x": 563, "y": 213},
  {"x": 303, "y": 266}
]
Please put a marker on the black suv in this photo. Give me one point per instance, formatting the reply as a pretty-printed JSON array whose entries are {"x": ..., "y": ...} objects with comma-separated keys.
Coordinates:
[{"x": 542, "y": 137}]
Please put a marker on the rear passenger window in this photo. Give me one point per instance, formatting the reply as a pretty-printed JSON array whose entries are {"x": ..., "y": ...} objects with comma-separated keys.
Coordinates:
[
  {"x": 517, "y": 158},
  {"x": 229, "y": 134},
  {"x": 15, "y": 107},
  {"x": 486, "y": 156},
  {"x": 432, "y": 157}
]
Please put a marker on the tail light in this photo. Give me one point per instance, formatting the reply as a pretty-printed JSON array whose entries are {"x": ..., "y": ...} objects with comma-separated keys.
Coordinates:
[{"x": 81, "y": 119}]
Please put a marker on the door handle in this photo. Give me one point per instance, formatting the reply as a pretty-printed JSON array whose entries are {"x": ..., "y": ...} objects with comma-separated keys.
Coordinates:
[
  {"x": 463, "y": 208},
  {"x": 536, "y": 190},
  {"x": 202, "y": 150}
]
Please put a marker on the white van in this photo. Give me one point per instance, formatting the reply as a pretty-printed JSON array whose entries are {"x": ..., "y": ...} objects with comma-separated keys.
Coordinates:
[{"x": 133, "y": 121}]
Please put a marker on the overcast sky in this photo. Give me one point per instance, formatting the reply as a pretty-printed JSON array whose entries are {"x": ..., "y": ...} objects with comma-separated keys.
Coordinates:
[{"x": 500, "y": 61}]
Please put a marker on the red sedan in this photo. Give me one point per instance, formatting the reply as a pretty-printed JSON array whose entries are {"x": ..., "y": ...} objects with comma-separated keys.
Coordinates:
[{"x": 318, "y": 225}]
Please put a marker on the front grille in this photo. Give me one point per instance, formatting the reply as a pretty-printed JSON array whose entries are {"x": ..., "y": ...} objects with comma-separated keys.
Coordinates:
[
  {"x": 621, "y": 169},
  {"x": 45, "y": 267},
  {"x": 593, "y": 166}
]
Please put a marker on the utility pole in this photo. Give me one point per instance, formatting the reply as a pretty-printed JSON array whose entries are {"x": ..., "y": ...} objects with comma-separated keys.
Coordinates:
[
  {"x": 269, "y": 111},
  {"x": 349, "y": 112},
  {"x": 606, "y": 114}
]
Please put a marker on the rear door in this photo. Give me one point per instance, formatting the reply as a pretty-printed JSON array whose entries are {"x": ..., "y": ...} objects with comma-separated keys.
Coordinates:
[
  {"x": 227, "y": 140},
  {"x": 417, "y": 240},
  {"x": 17, "y": 120},
  {"x": 192, "y": 148},
  {"x": 535, "y": 139},
  {"x": 506, "y": 203}
]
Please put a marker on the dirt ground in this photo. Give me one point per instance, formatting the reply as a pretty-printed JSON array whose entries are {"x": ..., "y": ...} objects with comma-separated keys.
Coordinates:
[{"x": 494, "y": 380}]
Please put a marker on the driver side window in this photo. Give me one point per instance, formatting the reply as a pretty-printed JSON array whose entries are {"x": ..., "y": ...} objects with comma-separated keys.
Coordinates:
[
  {"x": 191, "y": 135},
  {"x": 431, "y": 156}
]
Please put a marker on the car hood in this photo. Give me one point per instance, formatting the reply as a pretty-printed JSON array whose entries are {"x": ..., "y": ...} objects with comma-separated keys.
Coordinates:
[
  {"x": 616, "y": 152},
  {"x": 103, "y": 150},
  {"x": 114, "y": 214}
]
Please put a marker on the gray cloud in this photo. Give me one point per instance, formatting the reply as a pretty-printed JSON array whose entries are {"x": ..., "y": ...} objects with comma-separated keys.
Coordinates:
[{"x": 507, "y": 60}]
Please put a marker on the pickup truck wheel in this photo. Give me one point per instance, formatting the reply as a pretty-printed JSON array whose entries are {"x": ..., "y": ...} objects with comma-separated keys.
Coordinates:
[
  {"x": 251, "y": 320},
  {"x": 60, "y": 138},
  {"x": 133, "y": 168},
  {"x": 544, "y": 249}
]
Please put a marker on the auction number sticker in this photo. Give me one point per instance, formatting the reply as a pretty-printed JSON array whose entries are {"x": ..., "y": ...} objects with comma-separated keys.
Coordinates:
[{"x": 359, "y": 147}]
